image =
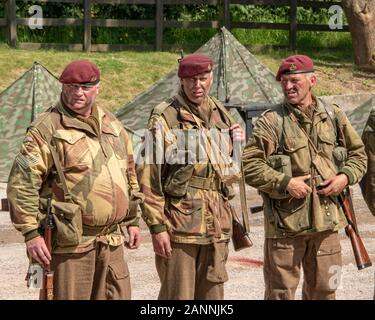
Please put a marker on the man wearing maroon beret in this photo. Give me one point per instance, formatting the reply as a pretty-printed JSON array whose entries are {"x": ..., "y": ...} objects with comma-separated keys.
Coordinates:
[
  {"x": 302, "y": 154},
  {"x": 79, "y": 156},
  {"x": 186, "y": 206}
]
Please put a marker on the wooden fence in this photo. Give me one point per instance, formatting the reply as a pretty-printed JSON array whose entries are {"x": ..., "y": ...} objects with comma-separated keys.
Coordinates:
[{"x": 11, "y": 21}]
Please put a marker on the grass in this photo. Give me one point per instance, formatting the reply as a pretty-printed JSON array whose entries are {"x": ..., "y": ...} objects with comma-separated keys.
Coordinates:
[{"x": 126, "y": 74}]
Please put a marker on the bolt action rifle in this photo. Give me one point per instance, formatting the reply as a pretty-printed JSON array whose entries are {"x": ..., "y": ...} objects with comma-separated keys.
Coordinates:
[
  {"x": 241, "y": 233},
  {"x": 46, "y": 291},
  {"x": 361, "y": 256}
]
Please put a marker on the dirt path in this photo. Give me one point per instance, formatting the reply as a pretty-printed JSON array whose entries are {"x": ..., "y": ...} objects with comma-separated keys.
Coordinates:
[{"x": 244, "y": 267}]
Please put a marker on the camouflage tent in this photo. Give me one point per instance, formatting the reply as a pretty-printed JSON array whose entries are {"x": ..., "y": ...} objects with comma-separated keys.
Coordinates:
[
  {"x": 239, "y": 78},
  {"x": 32, "y": 93},
  {"x": 359, "y": 115}
]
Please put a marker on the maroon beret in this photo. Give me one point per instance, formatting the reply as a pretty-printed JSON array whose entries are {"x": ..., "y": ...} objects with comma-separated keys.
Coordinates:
[
  {"x": 295, "y": 64},
  {"x": 80, "y": 71},
  {"x": 194, "y": 64}
]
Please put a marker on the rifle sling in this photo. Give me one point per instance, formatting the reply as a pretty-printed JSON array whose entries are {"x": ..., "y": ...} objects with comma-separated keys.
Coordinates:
[{"x": 49, "y": 139}]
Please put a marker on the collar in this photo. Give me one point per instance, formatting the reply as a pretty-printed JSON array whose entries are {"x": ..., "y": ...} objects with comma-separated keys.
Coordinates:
[{"x": 70, "y": 120}]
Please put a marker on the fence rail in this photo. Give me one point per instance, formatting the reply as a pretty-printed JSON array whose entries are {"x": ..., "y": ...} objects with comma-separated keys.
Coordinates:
[{"x": 159, "y": 23}]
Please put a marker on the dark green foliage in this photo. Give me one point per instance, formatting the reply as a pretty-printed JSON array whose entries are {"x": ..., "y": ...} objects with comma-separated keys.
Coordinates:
[{"x": 193, "y": 37}]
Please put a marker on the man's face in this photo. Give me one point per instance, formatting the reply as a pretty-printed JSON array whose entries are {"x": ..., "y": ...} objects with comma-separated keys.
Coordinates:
[
  {"x": 197, "y": 87},
  {"x": 297, "y": 87},
  {"x": 80, "y": 98}
]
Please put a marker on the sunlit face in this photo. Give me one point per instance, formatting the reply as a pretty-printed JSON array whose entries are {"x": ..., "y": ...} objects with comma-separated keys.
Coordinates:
[
  {"x": 297, "y": 87},
  {"x": 197, "y": 87},
  {"x": 80, "y": 98}
]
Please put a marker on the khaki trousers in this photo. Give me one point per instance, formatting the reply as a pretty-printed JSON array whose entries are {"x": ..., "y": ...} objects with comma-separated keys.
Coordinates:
[
  {"x": 193, "y": 272},
  {"x": 319, "y": 254},
  {"x": 99, "y": 274}
]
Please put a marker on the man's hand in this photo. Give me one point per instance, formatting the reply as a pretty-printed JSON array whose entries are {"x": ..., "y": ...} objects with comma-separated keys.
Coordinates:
[
  {"x": 238, "y": 134},
  {"x": 297, "y": 187},
  {"x": 162, "y": 244},
  {"x": 134, "y": 237},
  {"x": 334, "y": 186},
  {"x": 37, "y": 249}
]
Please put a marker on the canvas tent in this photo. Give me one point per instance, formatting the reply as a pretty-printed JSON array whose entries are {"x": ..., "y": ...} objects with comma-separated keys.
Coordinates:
[
  {"x": 358, "y": 116},
  {"x": 35, "y": 91},
  {"x": 239, "y": 78}
]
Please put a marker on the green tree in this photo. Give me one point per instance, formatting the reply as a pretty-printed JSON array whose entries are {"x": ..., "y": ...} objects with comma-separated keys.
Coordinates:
[{"x": 361, "y": 19}]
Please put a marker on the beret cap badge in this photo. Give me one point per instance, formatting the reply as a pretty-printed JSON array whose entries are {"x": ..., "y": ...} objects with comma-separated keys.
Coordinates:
[{"x": 292, "y": 67}]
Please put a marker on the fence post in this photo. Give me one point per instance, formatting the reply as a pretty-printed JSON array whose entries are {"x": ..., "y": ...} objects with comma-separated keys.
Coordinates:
[
  {"x": 10, "y": 11},
  {"x": 87, "y": 25},
  {"x": 293, "y": 25},
  {"x": 227, "y": 21},
  {"x": 159, "y": 25}
]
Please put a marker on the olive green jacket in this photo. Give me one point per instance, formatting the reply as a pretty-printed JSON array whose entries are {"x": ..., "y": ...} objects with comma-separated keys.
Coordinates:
[{"x": 284, "y": 215}]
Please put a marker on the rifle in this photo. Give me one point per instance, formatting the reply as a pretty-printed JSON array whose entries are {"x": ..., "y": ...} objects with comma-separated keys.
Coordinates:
[
  {"x": 241, "y": 238},
  {"x": 361, "y": 256},
  {"x": 256, "y": 209},
  {"x": 46, "y": 291}
]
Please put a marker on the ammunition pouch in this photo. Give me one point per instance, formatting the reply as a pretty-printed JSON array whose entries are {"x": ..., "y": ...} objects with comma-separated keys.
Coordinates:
[
  {"x": 68, "y": 221},
  {"x": 176, "y": 183},
  {"x": 227, "y": 191},
  {"x": 324, "y": 166}
]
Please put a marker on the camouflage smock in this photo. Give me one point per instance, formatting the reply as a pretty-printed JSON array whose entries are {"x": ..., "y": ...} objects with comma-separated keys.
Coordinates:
[
  {"x": 201, "y": 216},
  {"x": 367, "y": 184},
  {"x": 99, "y": 173},
  {"x": 284, "y": 215}
]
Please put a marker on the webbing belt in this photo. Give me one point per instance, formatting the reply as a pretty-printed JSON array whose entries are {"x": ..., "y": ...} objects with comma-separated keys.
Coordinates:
[
  {"x": 204, "y": 183},
  {"x": 98, "y": 230}
]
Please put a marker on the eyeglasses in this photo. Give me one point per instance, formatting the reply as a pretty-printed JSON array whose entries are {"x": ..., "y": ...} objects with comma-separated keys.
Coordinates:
[{"x": 76, "y": 87}]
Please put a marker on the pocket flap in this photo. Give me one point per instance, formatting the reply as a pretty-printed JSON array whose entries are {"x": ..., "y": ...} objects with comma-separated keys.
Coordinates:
[
  {"x": 186, "y": 206},
  {"x": 119, "y": 269},
  {"x": 329, "y": 250},
  {"x": 68, "y": 210},
  {"x": 292, "y": 144},
  {"x": 327, "y": 137},
  {"x": 70, "y": 137}
]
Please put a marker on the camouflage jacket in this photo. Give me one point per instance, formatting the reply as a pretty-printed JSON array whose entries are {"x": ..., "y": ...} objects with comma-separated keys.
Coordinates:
[
  {"x": 284, "y": 215},
  {"x": 188, "y": 199},
  {"x": 367, "y": 184},
  {"x": 99, "y": 172}
]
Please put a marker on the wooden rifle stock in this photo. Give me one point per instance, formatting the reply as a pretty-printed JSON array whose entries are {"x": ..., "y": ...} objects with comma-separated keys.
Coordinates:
[
  {"x": 256, "y": 209},
  {"x": 360, "y": 254},
  {"x": 46, "y": 292},
  {"x": 240, "y": 235}
]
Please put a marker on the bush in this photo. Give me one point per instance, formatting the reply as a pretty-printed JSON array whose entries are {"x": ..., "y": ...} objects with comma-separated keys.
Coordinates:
[{"x": 195, "y": 37}]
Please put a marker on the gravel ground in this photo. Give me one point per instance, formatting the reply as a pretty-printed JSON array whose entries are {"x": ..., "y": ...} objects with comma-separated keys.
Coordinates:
[{"x": 244, "y": 267}]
